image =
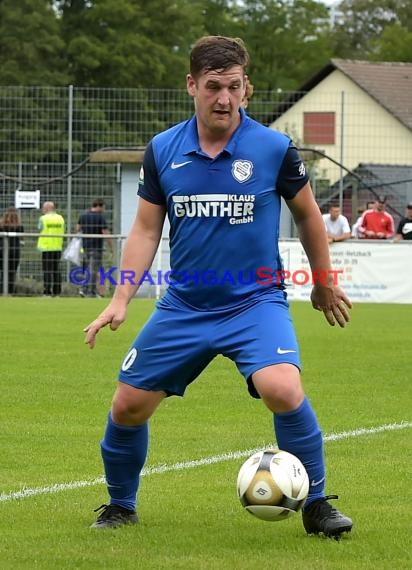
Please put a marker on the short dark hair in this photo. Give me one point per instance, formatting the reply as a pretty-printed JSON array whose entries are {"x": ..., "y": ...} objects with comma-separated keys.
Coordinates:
[
  {"x": 217, "y": 53},
  {"x": 98, "y": 203}
]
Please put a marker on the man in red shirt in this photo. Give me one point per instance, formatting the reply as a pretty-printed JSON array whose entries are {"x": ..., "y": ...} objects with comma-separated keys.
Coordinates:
[{"x": 377, "y": 224}]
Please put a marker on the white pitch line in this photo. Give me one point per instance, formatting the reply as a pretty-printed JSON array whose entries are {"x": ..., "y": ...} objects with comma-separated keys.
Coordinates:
[{"x": 181, "y": 466}]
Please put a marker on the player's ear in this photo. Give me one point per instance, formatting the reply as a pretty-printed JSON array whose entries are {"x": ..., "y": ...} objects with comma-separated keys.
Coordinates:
[
  {"x": 190, "y": 85},
  {"x": 245, "y": 94}
]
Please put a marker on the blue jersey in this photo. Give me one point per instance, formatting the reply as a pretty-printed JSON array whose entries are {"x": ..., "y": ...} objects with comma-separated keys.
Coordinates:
[{"x": 224, "y": 212}]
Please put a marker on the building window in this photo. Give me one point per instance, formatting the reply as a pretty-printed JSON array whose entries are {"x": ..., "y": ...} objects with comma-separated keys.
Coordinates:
[{"x": 319, "y": 128}]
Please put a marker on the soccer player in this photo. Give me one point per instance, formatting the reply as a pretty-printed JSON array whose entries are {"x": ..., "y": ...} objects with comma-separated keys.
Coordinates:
[{"x": 219, "y": 177}]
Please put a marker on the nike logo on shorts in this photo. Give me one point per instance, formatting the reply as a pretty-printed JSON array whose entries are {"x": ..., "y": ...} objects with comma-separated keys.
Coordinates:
[{"x": 284, "y": 351}]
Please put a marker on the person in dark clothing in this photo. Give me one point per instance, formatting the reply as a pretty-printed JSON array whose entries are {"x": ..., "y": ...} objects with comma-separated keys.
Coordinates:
[
  {"x": 10, "y": 222},
  {"x": 93, "y": 222},
  {"x": 404, "y": 231}
]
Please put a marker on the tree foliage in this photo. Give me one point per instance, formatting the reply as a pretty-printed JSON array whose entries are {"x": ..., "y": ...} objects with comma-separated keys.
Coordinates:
[
  {"x": 394, "y": 44},
  {"x": 127, "y": 43},
  {"x": 283, "y": 36},
  {"x": 145, "y": 44},
  {"x": 31, "y": 45},
  {"x": 141, "y": 43},
  {"x": 365, "y": 28}
]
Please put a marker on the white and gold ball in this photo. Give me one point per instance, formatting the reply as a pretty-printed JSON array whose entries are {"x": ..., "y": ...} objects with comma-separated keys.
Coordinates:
[{"x": 272, "y": 485}]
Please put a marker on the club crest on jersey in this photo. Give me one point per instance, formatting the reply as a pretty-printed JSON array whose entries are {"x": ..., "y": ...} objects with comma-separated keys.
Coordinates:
[
  {"x": 242, "y": 170},
  {"x": 141, "y": 175}
]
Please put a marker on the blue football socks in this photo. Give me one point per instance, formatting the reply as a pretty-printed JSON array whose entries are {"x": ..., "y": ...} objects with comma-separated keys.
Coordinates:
[
  {"x": 124, "y": 450},
  {"x": 298, "y": 433}
]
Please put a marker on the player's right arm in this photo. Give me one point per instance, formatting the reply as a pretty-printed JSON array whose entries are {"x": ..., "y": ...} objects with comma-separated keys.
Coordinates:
[
  {"x": 138, "y": 254},
  {"x": 326, "y": 295}
]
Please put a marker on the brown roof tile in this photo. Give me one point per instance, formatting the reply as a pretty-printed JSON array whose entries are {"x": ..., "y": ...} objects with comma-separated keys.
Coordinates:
[{"x": 389, "y": 83}]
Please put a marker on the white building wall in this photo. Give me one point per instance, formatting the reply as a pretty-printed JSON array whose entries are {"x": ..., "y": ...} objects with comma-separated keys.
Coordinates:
[
  {"x": 129, "y": 199},
  {"x": 369, "y": 132}
]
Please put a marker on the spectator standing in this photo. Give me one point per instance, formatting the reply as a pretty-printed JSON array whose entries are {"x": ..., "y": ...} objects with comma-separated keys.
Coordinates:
[
  {"x": 93, "y": 222},
  {"x": 404, "y": 231},
  {"x": 336, "y": 224},
  {"x": 10, "y": 222},
  {"x": 50, "y": 243},
  {"x": 377, "y": 224}
]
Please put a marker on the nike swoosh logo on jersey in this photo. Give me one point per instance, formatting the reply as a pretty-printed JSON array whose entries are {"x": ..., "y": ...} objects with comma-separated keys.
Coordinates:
[
  {"x": 175, "y": 165},
  {"x": 284, "y": 351}
]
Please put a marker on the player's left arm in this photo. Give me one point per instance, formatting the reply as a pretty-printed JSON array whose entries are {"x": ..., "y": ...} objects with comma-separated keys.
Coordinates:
[{"x": 326, "y": 295}]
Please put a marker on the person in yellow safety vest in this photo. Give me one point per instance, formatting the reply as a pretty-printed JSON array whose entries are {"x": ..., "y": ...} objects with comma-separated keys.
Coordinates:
[{"x": 50, "y": 243}]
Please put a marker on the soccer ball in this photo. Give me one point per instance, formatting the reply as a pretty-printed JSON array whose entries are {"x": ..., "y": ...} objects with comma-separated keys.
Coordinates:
[{"x": 272, "y": 485}]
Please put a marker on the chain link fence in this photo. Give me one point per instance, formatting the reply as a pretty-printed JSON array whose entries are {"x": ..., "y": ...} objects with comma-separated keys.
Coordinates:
[
  {"x": 21, "y": 271},
  {"x": 47, "y": 135}
]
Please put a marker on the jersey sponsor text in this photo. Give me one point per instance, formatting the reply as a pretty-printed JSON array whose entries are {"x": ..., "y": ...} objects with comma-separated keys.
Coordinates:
[{"x": 237, "y": 207}]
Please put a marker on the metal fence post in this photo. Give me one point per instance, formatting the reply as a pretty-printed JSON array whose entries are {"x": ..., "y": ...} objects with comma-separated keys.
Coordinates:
[
  {"x": 5, "y": 267},
  {"x": 69, "y": 159},
  {"x": 342, "y": 142}
]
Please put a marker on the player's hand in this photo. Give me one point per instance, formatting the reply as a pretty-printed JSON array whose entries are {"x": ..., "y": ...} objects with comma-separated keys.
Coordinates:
[
  {"x": 114, "y": 315},
  {"x": 334, "y": 303}
]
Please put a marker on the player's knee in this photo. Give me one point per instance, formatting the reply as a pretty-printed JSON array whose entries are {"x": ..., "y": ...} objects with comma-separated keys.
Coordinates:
[
  {"x": 132, "y": 406},
  {"x": 283, "y": 400},
  {"x": 124, "y": 413},
  {"x": 279, "y": 387}
]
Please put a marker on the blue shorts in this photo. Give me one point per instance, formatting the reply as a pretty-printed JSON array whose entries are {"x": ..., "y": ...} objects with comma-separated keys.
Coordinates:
[{"x": 177, "y": 343}]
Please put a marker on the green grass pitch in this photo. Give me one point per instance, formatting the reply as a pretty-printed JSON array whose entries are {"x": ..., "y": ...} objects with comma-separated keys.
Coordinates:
[{"x": 55, "y": 394}]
